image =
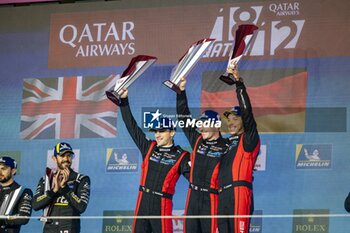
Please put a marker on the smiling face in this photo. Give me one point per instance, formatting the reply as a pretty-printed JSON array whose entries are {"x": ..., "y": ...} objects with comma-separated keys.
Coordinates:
[
  {"x": 164, "y": 137},
  {"x": 209, "y": 133},
  {"x": 63, "y": 161},
  {"x": 235, "y": 124}
]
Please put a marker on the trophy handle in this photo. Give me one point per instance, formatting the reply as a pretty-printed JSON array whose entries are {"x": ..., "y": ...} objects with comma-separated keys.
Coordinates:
[
  {"x": 172, "y": 86},
  {"x": 228, "y": 79},
  {"x": 114, "y": 97}
]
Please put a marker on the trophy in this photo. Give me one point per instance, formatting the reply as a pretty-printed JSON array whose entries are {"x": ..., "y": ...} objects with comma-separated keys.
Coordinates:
[
  {"x": 137, "y": 66},
  {"x": 244, "y": 35},
  {"x": 49, "y": 173},
  {"x": 10, "y": 201},
  {"x": 186, "y": 63}
]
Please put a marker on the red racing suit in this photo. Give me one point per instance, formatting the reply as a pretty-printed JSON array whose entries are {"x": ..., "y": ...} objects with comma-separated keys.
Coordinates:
[
  {"x": 236, "y": 171},
  {"x": 161, "y": 168}
]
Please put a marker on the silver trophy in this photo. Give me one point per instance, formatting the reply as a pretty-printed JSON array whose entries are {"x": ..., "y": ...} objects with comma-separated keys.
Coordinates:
[
  {"x": 137, "y": 66},
  {"x": 244, "y": 35},
  {"x": 186, "y": 63},
  {"x": 10, "y": 201}
]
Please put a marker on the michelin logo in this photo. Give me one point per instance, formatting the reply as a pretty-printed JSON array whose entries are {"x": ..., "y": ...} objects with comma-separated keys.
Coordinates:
[
  {"x": 122, "y": 160},
  {"x": 314, "y": 156}
]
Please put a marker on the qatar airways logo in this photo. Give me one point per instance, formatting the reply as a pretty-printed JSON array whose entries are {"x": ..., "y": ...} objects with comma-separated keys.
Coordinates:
[
  {"x": 273, "y": 35},
  {"x": 285, "y": 9},
  {"x": 99, "y": 38}
]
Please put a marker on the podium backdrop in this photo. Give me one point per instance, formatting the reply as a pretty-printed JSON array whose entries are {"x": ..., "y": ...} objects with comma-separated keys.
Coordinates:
[{"x": 55, "y": 60}]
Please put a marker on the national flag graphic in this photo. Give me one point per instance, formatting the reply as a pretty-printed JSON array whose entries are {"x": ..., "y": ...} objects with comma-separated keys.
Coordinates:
[
  {"x": 67, "y": 107},
  {"x": 278, "y": 97}
]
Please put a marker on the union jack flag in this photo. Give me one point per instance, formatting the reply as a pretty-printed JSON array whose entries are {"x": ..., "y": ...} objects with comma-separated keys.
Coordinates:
[{"x": 68, "y": 107}]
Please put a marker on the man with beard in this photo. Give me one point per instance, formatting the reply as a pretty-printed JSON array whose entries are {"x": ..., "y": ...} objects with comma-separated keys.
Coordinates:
[
  {"x": 236, "y": 167},
  {"x": 207, "y": 147},
  {"x": 68, "y": 196},
  {"x": 22, "y": 207},
  {"x": 163, "y": 163}
]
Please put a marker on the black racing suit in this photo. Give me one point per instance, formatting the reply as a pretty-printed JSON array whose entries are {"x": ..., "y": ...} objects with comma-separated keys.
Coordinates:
[
  {"x": 347, "y": 203},
  {"x": 161, "y": 168},
  {"x": 202, "y": 198},
  {"x": 236, "y": 171},
  {"x": 71, "y": 200},
  {"x": 23, "y": 208}
]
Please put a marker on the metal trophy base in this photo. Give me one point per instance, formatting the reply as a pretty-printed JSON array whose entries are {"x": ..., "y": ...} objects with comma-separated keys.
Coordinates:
[
  {"x": 172, "y": 86},
  {"x": 228, "y": 78},
  {"x": 114, "y": 97}
]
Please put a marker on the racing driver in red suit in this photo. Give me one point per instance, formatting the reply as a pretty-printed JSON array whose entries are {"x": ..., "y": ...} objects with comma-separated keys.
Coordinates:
[{"x": 236, "y": 167}]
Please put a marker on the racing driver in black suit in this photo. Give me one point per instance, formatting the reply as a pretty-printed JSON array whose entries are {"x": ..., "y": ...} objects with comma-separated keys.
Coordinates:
[
  {"x": 207, "y": 148},
  {"x": 22, "y": 207},
  {"x": 163, "y": 163},
  {"x": 69, "y": 195}
]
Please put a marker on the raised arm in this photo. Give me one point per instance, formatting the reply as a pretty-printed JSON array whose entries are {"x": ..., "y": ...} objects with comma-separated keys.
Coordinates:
[
  {"x": 184, "y": 113},
  {"x": 136, "y": 133},
  {"x": 251, "y": 136}
]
